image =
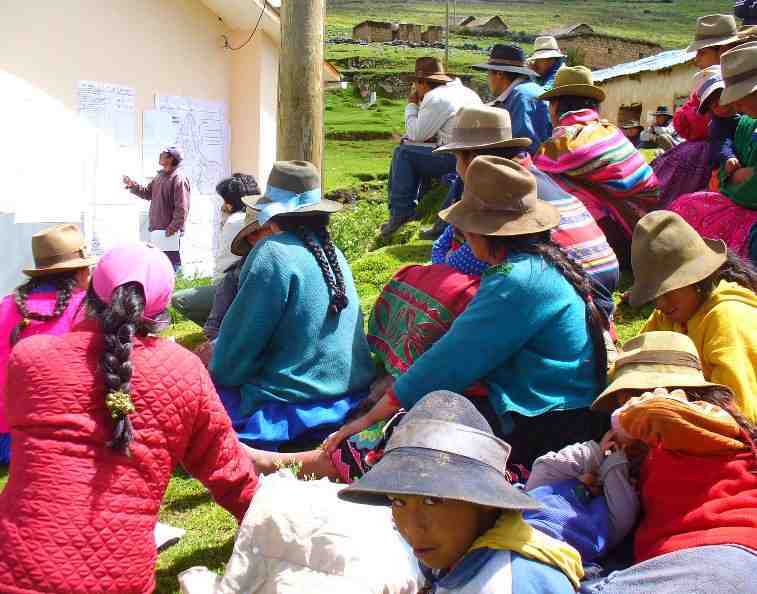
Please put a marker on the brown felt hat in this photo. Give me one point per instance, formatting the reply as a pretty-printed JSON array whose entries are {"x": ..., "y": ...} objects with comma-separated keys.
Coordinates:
[
  {"x": 481, "y": 127},
  {"x": 239, "y": 245},
  {"x": 430, "y": 68},
  {"x": 654, "y": 360},
  {"x": 713, "y": 30},
  {"x": 667, "y": 254},
  {"x": 739, "y": 68},
  {"x": 59, "y": 249},
  {"x": 500, "y": 198},
  {"x": 575, "y": 81}
]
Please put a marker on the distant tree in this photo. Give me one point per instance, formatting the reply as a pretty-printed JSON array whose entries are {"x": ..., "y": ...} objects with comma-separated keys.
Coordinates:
[{"x": 576, "y": 56}]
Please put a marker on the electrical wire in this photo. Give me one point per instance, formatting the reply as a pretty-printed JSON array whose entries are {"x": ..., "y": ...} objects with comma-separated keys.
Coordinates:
[{"x": 255, "y": 30}]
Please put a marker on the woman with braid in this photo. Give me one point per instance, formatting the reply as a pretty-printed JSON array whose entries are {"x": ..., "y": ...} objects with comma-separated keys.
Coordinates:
[
  {"x": 47, "y": 303},
  {"x": 291, "y": 355},
  {"x": 100, "y": 418}
]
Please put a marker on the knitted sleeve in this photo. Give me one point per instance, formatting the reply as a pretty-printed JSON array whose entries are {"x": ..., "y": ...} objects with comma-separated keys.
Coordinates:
[
  {"x": 214, "y": 454},
  {"x": 569, "y": 463},
  {"x": 688, "y": 122}
]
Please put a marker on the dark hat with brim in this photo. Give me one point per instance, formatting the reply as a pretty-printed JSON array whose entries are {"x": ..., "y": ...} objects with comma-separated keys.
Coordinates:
[
  {"x": 662, "y": 110},
  {"x": 443, "y": 448},
  {"x": 507, "y": 58},
  {"x": 239, "y": 245},
  {"x": 294, "y": 188}
]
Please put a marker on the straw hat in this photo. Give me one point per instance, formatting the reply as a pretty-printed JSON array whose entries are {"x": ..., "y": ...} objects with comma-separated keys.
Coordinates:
[
  {"x": 58, "y": 249},
  {"x": 546, "y": 47},
  {"x": 714, "y": 82},
  {"x": 239, "y": 245},
  {"x": 480, "y": 127},
  {"x": 667, "y": 254},
  {"x": 429, "y": 68},
  {"x": 576, "y": 81},
  {"x": 739, "y": 67},
  {"x": 654, "y": 360},
  {"x": 294, "y": 187},
  {"x": 442, "y": 448},
  {"x": 500, "y": 198},
  {"x": 714, "y": 30},
  {"x": 507, "y": 58}
]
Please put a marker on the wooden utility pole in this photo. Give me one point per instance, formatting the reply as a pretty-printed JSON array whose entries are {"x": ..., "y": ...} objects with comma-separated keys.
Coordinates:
[
  {"x": 446, "y": 42},
  {"x": 300, "y": 105}
]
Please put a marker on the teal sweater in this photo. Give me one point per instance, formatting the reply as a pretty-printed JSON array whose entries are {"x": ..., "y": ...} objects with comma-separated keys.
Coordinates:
[
  {"x": 279, "y": 342},
  {"x": 525, "y": 334}
]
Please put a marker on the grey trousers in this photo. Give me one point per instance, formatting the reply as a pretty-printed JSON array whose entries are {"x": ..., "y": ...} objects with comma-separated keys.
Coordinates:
[{"x": 195, "y": 303}]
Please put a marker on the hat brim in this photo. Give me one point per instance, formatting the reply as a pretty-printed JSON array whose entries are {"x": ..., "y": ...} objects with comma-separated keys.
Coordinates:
[
  {"x": 239, "y": 245},
  {"x": 470, "y": 146},
  {"x": 719, "y": 86},
  {"x": 697, "y": 45},
  {"x": 443, "y": 78},
  {"x": 662, "y": 113},
  {"x": 546, "y": 54},
  {"x": 738, "y": 91},
  {"x": 62, "y": 267},
  {"x": 577, "y": 90},
  {"x": 324, "y": 205},
  {"x": 430, "y": 473},
  {"x": 505, "y": 68},
  {"x": 647, "y": 381},
  {"x": 687, "y": 274},
  {"x": 543, "y": 217}
]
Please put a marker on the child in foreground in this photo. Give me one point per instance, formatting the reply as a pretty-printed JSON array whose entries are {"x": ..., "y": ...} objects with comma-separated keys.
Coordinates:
[{"x": 443, "y": 475}]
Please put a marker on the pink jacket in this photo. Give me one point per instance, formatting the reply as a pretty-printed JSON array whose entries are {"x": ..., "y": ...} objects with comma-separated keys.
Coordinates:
[
  {"x": 689, "y": 123},
  {"x": 76, "y": 517},
  {"x": 41, "y": 302}
]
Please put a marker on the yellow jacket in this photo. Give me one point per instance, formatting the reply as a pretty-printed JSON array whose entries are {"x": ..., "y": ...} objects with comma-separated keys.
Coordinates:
[{"x": 724, "y": 330}]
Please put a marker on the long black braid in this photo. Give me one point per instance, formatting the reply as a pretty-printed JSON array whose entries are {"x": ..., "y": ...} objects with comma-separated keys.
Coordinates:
[
  {"x": 120, "y": 321},
  {"x": 541, "y": 244},
  {"x": 734, "y": 270},
  {"x": 313, "y": 232},
  {"x": 64, "y": 284}
]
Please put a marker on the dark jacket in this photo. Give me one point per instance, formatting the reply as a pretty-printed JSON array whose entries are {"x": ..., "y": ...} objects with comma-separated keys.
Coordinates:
[
  {"x": 168, "y": 194},
  {"x": 746, "y": 10}
]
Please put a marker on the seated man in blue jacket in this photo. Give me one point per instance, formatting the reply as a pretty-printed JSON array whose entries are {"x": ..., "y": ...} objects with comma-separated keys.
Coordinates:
[{"x": 510, "y": 82}]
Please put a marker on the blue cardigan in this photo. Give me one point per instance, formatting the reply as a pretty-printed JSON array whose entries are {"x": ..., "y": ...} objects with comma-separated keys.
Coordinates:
[
  {"x": 529, "y": 114},
  {"x": 279, "y": 342},
  {"x": 525, "y": 334}
]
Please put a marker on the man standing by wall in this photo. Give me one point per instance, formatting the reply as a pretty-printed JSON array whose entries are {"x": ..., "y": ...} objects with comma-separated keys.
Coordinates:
[
  {"x": 168, "y": 194},
  {"x": 429, "y": 116},
  {"x": 510, "y": 82}
]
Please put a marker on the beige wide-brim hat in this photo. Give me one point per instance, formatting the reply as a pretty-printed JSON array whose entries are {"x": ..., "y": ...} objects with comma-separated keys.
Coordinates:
[
  {"x": 575, "y": 81},
  {"x": 739, "y": 67},
  {"x": 714, "y": 30},
  {"x": 482, "y": 127},
  {"x": 239, "y": 245},
  {"x": 500, "y": 199},
  {"x": 668, "y": 254},
  {"x": 654, "y": 360},
  {"x": 545, "y": 47},
  {"x": 59, "y": 249}
]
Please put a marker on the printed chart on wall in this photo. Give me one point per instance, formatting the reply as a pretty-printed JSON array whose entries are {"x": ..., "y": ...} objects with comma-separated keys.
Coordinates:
[
  {"x": 112, "y": 216},
  {"x": 200, "y": 129}
]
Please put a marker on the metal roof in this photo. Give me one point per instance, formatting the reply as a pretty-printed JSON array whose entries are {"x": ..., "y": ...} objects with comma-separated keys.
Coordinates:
[{"x": 654, "y": 63}]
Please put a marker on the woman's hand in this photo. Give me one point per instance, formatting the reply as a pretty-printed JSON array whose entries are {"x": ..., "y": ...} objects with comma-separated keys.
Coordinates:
[
  {"x": 742, "y": 175},
  {"x": 732, "y": 165},
  {"x": 333, "y": 441}
]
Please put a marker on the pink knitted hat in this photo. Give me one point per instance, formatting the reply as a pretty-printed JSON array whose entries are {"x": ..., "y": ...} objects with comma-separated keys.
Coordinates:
[{"x": 138, "y": 263}]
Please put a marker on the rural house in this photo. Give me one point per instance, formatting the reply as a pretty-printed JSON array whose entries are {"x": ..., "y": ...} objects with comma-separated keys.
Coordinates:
[
  {"x": 489, "y": 25},
  {"x": 461, "y": 21},
  {"x": 409, "y": 33},
  {"x": 434, "y": 34},
  {"x": 636, "y": 88},
  {"x": 373, "y": 31},
  {"x": 598, "y": 50},
  {"x": 575, "y": 29}
]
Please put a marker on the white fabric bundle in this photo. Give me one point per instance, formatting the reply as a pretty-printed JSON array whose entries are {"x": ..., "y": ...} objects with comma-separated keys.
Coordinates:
[{"x": 299, "y": 537}]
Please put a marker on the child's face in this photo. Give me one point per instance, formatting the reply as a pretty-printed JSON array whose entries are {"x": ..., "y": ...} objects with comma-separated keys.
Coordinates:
[
  {"x": 440, "y": 531},
  {"x": 680, "y": 304},
  {"x": 706, "y": 57},
  {"x": 720, "y": 111}
]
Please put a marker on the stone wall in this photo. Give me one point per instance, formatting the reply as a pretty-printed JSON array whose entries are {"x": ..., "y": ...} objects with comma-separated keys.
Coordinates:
[
  {"x": 409, "y": 32},
  {"x": 601, "y": 51},
  {"x": 434, "y": 34},
  {"x": 373, "y": 32}
]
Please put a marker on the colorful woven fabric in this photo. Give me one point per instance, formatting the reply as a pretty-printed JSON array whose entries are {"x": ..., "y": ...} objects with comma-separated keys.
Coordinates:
[
  {"x": 716, "y": 216},
  {"x": 745, "y": 143},
  {"x": 591, "y": 159},
  {"x": 682, "y": 170}
]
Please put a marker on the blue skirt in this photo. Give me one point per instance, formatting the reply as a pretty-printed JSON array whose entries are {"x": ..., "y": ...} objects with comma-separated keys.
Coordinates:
[
  {"x": 276, "y": 423},
  {"x": 5, "y": 448}
]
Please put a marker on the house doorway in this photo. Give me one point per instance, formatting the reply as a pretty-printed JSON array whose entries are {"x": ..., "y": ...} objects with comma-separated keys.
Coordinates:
[{"x": 628, "y": 113}]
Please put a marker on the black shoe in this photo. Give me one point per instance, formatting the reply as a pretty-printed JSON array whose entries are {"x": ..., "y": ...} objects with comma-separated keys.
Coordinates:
[
  {"x": 434, "y": 232},
  {"x": 394, "y": 223}
]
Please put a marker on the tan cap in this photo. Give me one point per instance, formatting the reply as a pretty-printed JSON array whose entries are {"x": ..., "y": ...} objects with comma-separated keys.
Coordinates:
[
  {"x": 667, "y": 254},
  {"x": 500, "y": 198},
  {"x": 59, "y": 249},
  {"x": 480, "y": 127},
  {"x": 739, "y": 68},
  {"x": 713, "y": 30},
  {"x": 575, "y": 81}
]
